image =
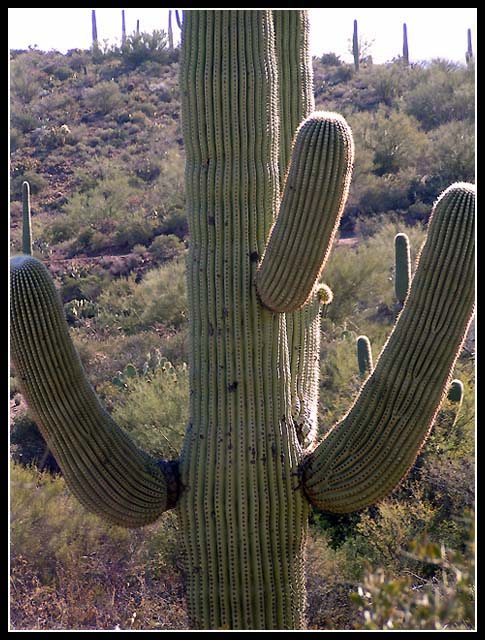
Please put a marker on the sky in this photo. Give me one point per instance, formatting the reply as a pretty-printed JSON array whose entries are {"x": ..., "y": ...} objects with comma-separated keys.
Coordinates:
[{"x": 432, "y": 33}]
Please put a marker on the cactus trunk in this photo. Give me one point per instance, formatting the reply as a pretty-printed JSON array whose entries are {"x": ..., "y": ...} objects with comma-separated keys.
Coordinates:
[{"x": 242, "y": 513}]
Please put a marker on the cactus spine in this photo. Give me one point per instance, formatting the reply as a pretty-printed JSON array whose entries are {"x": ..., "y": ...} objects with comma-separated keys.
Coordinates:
[{"x": 244, "y": 482}]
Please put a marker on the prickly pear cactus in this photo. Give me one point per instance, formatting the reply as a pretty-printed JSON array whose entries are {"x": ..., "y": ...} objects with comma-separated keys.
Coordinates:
[{"x": 262, "y": 212}]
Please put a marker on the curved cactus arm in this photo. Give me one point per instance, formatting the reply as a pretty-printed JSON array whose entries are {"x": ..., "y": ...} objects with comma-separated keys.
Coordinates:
[
  {"x": 366, "y": 455},
  {"x": 101, "y": 465},
  {"x": 314, "y": 196}
]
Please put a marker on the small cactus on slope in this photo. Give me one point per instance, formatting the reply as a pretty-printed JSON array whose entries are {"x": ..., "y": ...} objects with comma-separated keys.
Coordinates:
[
  {"x": 245, "y": 479},
  {"x": 364, "y": 356}
]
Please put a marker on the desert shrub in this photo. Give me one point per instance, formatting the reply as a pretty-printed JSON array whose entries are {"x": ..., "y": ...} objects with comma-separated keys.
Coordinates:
[
  {"x": 166, "y": 247},
  {"x": 161, "y": 295},
  {"x": 36, "y": 181},
  {"x": 329, "y": 604},
  {"x": 392, "y": 138},
  {"x": 381, "y": 535},
  {"x": 28, "y": 447},
  {"x": 147, "y": 168},
  {"x": 106, "y": 212},
  {"x": 144, "y": 47},
  {"x": 451, "y": 154},
  {"x": 444, "y": 93},
  {"x": 387, "y": 82},
  {"x": 24, "y": 85},
  {"x": 104, "y": 97},
  {"x": 410, "y": 601},
  {"x": 168, "y": 193},
  {"x": 72, "y": 570},
  {"x": 330, "y": 59},
  {"x": 117, "y": 309},
  {"x": 23, "y": 119},
  {"x": 153, "y": 406},
  {"x": 132, "y": 233},
  {"x": 158, "y": 299}
]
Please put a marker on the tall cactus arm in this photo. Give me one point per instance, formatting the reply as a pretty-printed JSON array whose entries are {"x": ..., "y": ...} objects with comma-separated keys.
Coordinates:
[
  {"x": 101, "y": 465},
  {"x": 366, "y": 455},
  {"x": 314, "y": 196}
]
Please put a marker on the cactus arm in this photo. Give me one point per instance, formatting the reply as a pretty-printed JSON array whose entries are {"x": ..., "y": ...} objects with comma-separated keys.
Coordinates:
[
  {"x": 314, "y": 196},
  {"x": 366, "y": 454},
  {"x": 101, "y": 465}
]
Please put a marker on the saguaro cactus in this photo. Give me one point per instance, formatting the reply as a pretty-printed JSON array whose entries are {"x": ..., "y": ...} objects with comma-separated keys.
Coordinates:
[
  {"x": 402, "y": 278},
  {"x": 364, "y": 356},
  {"x": 123, "y": 28},
  {"x": 26, "y": 219},
  {"x": 355, "y": 47},
  {"x": 245, "y": 478},
  {"x": 405, "y": 48},
  {"x": 94, "y": 28}
]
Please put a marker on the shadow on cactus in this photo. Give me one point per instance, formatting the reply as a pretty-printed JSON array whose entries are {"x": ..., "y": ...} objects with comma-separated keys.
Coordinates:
[{"x": 266, "y": 184}]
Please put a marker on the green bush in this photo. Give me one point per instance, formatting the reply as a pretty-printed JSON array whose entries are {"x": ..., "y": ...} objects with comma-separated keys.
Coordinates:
[
  {"x": 153, "y": 407},
  {"x": 166, "y": 247},
  {"x": 451, "y": 155},
  {"x": 445, "y": 92},
  {"x": 28, "y": 447},
  {"x": 145, "y": 47},
  {"x": 161, "y": 295},
  {"x": 445, "y": 602},
  {"x": 71, "y": 570},
  {"x": 104, "y": 97}
]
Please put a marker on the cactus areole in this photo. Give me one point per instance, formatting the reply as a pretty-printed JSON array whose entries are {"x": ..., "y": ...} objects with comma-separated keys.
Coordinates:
[{"x": 266, "y": 182}]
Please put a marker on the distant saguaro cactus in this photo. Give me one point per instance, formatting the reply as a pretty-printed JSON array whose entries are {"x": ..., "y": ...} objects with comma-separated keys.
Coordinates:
[
  {"x": 123, "y": 28},
  {"x": 469, "y": 51},
  {"x": 355, "y": 47},
  {"x": 94, "y": 28},
  {"x": 26, "y": 220},
  {"x": 170, "y": 30},
  {"x": 405, "y": 48},
  {"x": 262, "y": 215},
  {"x": 364, "y": 356}
]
